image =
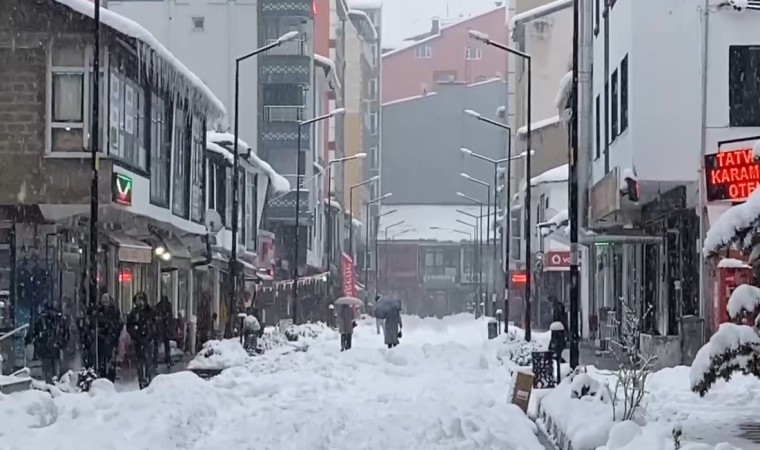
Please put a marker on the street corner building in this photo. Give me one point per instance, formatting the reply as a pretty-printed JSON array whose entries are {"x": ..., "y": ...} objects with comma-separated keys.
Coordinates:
[{"x": 163, "y": 178}]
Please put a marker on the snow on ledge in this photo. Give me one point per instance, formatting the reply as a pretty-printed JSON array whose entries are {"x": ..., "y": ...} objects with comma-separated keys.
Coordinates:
[
  {"x": 365, "y": 4},
  {"x": 330, "y": 65},
  {"x": 535, "y": 126},
  {"x": 737, "y": 219},
  {"x": 733, "y": 263},
  {"x": 131, "y": 28},
  {"x": 565, "y": 89},
  {"x": 555, "y": 175},
  {"x": 363, "y": 16},
  {"x": 539, "y": 11}
]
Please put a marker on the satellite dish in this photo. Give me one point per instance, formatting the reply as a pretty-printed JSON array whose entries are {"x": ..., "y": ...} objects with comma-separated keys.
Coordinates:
[{"x": 213, "y": 222}]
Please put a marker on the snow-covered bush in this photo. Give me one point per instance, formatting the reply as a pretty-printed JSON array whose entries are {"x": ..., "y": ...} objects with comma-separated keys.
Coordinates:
[
  {"x": 274, "y": 337},
  {"x": 733, "y": 349},
  {"x": 518, "y": 350},
  {"x": 219, "y": 355},
  {"x": 744, "y": 302}
]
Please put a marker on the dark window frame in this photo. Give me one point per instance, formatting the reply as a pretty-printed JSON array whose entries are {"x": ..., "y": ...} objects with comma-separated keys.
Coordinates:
[
  {"x": 181, "y": 161},
  {"x": 624, "y": 94},
  {"x": 160, "y": 151},
  {"x": 598, "y": 127},
  {"x": 614, "y": 110},
  {"x": 743, "y": 60}
]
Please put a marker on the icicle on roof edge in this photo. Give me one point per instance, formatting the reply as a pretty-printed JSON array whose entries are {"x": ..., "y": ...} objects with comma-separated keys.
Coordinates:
[{"x": 159, "y": 54}]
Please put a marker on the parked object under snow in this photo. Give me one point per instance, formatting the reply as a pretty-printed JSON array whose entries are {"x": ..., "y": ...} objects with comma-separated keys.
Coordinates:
[
  {"x": 219, "y": 355},
  {"x": 733, "y": 349}
]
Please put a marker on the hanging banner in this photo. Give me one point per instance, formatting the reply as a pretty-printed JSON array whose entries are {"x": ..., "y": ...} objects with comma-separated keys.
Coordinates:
[{"x": 349, "y": 280}]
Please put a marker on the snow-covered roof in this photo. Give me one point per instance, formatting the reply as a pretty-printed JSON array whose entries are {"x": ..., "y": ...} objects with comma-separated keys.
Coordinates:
[
  {"x": 487, "y": 81},
  {"x": 407, "y": 99},
  {"x": 555, "y": 175},
  {"x": 539, "y": 11},
  {"x": 732, "y": 263},
  {"x": 418, "y": 220},
  {"x": 361, "y": 15},
  {"x": 731, "y": 223},
  {"x": 221, "y": 143},
  {"x": 535, "y": 126},
  {"x": 365, "y": 4},
  {"x": 178, "y": 75},
  {"x": 428, "y": 7}
]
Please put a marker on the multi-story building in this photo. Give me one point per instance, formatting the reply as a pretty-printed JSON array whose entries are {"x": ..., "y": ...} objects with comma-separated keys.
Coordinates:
[
  {"x": 157, "y": 178},
  {"x": 287, "y": 96},
  {"x": 446, "y": 53},
  {"x": 650, "y": 138}
]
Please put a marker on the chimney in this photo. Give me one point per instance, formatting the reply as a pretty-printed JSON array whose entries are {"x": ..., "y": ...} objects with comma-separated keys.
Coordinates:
[{"x": 436, "y": 26}]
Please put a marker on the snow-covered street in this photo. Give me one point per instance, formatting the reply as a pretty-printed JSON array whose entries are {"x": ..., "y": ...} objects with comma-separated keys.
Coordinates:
[{"x": 440, "y": 389}]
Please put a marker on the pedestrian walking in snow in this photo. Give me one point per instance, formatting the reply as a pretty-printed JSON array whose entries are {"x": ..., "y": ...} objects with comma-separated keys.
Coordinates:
[
  {"x": 49, "y": 336},
  {"x": 109, "y": 328},
  {"x": 140, "y": 326},
  {"x": 164, "y": 328},
  {"x": 345, "y": 326},
  {"x": 378, "y": 321},
  {"x": 392, "y": 328}
]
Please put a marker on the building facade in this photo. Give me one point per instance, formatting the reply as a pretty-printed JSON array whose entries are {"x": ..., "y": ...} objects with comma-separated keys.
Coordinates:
[{"x": 445, "y": 54}]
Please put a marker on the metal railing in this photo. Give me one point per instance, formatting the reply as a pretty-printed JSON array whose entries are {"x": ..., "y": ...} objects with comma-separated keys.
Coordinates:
[
  {"x": 294, "y": 47},
  {"x": 283, "y": 113}
]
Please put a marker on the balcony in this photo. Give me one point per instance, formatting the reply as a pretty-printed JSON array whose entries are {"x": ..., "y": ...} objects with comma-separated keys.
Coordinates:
[
  {"x": 287, "y": 63},
  {"x": 283, "y": 209},
  {"x": 296, "y": 8},
  {"x": 279, "y": 127},
  {"x": 439, "y": 277}
]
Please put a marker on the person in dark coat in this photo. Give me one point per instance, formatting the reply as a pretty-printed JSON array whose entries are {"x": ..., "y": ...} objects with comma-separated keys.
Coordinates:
[
  {"x": 164, "y": 319},
  {"x": 49, "y": 335},
  {"x": 345, "y": 326},
  {"x": 392, "y": 328},
  {"x": 108, "y": 330},
  {"x": 140, "y": 326},
  {"x": 559, "y": 314}
]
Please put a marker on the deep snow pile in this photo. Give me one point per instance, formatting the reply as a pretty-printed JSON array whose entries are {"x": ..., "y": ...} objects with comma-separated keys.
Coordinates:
[
  {"x": 435, "y": 391},
  {"x": 515, "y": 350},
  {"x": 275, "y": 337},
  {"x": 745, "y": 298},
  {"x": 630, "y": 436},
  {"x": 732, "y": 349},
  {"x": 219, "y": 355}
]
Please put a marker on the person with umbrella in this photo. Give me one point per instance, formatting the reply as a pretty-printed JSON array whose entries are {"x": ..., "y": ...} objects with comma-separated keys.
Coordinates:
[
  {"x": 378, "y": 321},
  {"x": 345, "y": 307},
  {"x": 390, "y": 311}
]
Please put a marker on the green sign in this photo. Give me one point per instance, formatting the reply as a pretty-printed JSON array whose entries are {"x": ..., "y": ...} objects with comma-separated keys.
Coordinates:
[{"x": 121, "y": 187}]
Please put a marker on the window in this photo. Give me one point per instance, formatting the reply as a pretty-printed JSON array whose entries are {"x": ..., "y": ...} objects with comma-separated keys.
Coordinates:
[
  {"x": 597, "y": 16},
  {"x": 423, "y": 51},
  {"x": 743, "y": 85},
  {"x": 473, "y": 53},
  {"x": 228, "y": 196},
  {"x": 197, "y": 151},
  {"x": 241, "y": 207},
  {"x": 181, "y": 163},
  {"x": 372, "y": 88},
  {"x": 373, "y": 157},
  {"x": 597, "y": 130},
  {"x": 516, "y": 230},
  {"x": 624, "y": 94},
  {"x": 614, "y": 106},
  {"x": 252, "y": 211},
  {"x": 606, "y": 110},
  {"x": 67, "y": 97},
  {"x": 373, "y": 123},
  {"x": 217, "y": 189},
  {"x": 198, "y": 23},
  {"x": 373, "y": 50},
  {"x": 434, "y": 258},
  {"x": 128, "y": 123},
  {"x": 160, "y": 149}
]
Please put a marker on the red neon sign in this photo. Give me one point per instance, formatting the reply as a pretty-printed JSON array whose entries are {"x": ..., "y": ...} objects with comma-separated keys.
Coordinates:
[
  {"x": 731, "y": 175},
  {"x": 125, "y": 276},
  {"x": 519, "y": 279}
]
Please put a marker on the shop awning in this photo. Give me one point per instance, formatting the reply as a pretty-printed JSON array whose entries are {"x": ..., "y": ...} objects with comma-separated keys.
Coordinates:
[{"x": 132, "y": 250}]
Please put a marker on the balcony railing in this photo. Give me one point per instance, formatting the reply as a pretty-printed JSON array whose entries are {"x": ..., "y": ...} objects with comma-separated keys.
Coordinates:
[
  {"x": 294, "y": 47},
  {"x": 283, "y": 113}
]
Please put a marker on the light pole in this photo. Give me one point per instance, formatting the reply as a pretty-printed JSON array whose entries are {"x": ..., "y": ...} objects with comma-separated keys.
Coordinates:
[
  {"x": 482, "y": 37},
  {"x": 385, "y": 265},
  {"x": 366, "y": 244},
  {"x": 473, "y": 247},
  {"x": 480, "y": 241},
  {"x": 351, "y": 212},
  {"x": 92, "y": 259},
  {"x": 329, "y": 199},
  {"x": 236, "y": 176},
  {"x": 488, "y": 219},
  {"x": 377, "y": 251},
  {"x": 299, "y": 169}
]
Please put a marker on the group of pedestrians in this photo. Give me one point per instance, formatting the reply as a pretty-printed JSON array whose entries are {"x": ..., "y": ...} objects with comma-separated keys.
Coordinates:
[
  {"x": 106, "y": 339},
  {"x": 390, "y": 324}
]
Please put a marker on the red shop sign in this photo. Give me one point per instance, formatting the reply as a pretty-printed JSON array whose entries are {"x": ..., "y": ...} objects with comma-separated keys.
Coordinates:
[{"x": 557, "y": 261}]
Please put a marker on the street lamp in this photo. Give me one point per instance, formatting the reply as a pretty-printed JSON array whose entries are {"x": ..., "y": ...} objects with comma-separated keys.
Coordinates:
[
  {"x": 329, "y": 199},
  {"x": 351, "y": 212},
  {"x": 366, "y": 241},
  {"x": 409, "y": 230},
  {"x": 480, "y": 241},
  {"x": 377, "y": 250},
  {"x": 299, "y": 169},
  {"x": 484, "y": 38},
  {"x": 385, "y": 266},
  {"x": 488, "y": 218},
  {"x": 236, "y": 175}
]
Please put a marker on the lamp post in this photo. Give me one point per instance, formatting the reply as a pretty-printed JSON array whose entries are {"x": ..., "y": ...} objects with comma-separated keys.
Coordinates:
[
  {"x": 488, "y": 219},
  {"x": 483, "y": 37},
  {"x": 377, "y": 250},
  {"x": 351, "y": 212},
  {"x": 473, "y": 247},
  {"x": 480, "y": 241},
  {"x": 299, "y": 169},
  {"x": 329, "y": 199},
  {"x": 385, "y": 266},
  {"x": 236, "y": 176},
  {"x": 366, "y": 246}
]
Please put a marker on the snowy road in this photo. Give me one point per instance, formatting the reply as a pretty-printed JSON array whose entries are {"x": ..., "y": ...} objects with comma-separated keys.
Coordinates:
[{"x": 427, "y": 394}]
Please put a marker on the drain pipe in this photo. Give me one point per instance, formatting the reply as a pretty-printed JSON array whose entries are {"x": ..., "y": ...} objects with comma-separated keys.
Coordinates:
[{"x": 703, "y": 146}]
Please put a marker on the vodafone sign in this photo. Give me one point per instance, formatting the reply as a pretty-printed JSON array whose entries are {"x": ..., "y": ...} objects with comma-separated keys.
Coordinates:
[{"x": 556, "y": 261}]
